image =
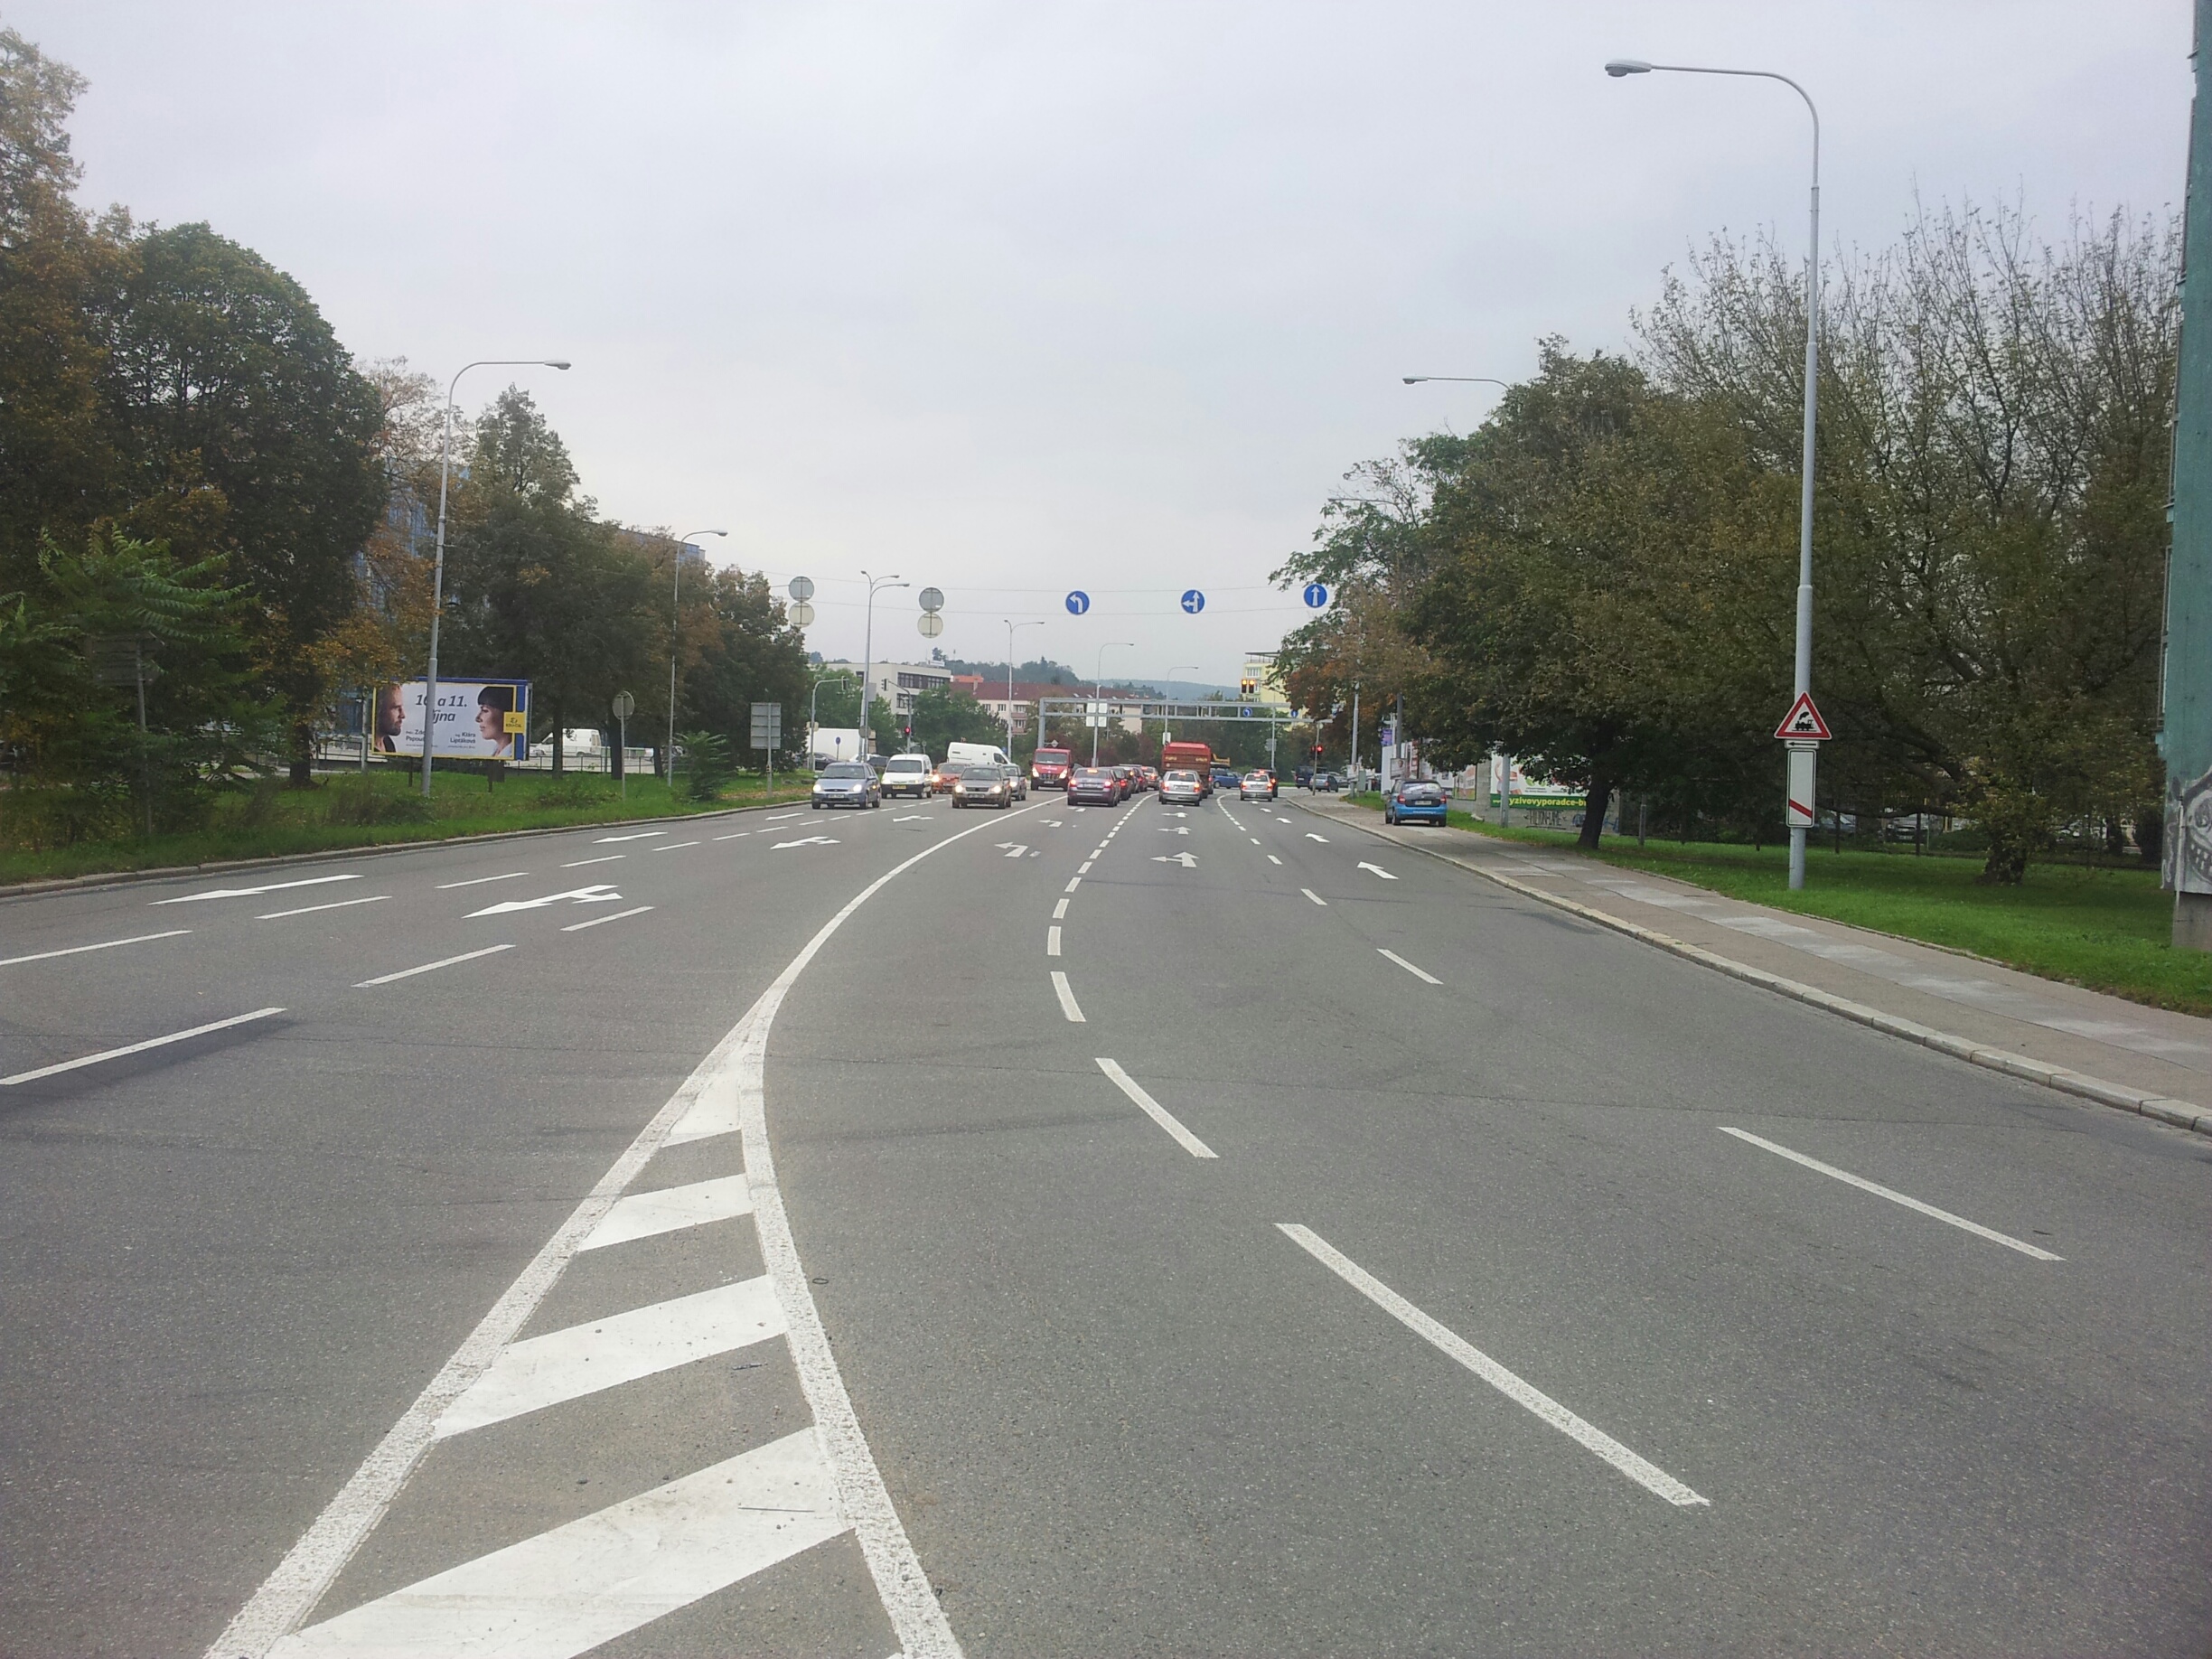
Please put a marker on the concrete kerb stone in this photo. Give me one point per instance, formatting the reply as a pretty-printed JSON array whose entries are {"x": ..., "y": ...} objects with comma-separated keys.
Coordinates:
[{"x": 2179, "y": 1114}]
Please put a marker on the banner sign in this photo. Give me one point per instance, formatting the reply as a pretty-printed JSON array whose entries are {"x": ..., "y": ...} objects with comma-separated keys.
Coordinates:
[{"x": 477, "y": 719}]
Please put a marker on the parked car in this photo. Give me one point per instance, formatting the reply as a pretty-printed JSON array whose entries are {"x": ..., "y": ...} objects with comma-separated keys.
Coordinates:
[
  {"x": 907, "y": 775},
  {"x": 1181, "y": 788},
  {"x": 1325, "y": 782},
  {"x": 852, "y": 784},
  {"x": 1092, "y": 786},
  {"x": 984, "y": 785},
  {"x": 1256, "y": 785},
  {"x": 1414, "y": 801}
]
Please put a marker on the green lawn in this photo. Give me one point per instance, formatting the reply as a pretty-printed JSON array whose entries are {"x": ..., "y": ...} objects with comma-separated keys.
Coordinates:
[
  {"x": 345, "y": 810},
  {"x": 2103, "y": 928}
]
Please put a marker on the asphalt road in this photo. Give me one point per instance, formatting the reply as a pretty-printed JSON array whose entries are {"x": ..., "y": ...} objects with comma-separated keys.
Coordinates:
[{"x": 1343, "y": 1255}]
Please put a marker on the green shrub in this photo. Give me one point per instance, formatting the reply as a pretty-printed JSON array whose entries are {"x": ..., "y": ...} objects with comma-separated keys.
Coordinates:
[
  {"x": 707, "y": 755},
  {"x": 362, "y": 802}
]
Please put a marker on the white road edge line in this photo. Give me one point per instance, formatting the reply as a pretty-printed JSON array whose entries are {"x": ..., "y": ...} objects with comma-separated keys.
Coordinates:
[
  {"x": 1418, "y": 973},
  {"x": 1052, "y": 942},
  {"x": 1894, "y": 1196},
  {"x": 735, "y": 1068},
  {"x": 105, "y": 944},
  {"x": 135, "y": 1048},
  {"x": 1648, "y": 1475},
  {"x": 577, "y": 927},
  {"x": 1153, "y": 1110},
  {"x": 1317, "y": 898},
  {"x": 1067, "y": 999},
  {"x": 478, "y": 881},
  {"x": 445, "y": 961},
  {"x": 308, "y": 910}
]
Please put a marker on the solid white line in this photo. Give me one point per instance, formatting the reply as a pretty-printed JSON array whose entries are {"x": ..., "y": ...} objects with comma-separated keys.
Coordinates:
[
  {"x": 408, "y": 974},
  {"x": 1894, "y": 1196},
  {"x": 1153, "y": 1110},
  {"x": 1073, "y": 882},
  {"x": 105, "y": 944},
  {"x": 603, "y": 858},
  {"x": 1059, "y": 911},
  {"x": 136, "y": 1048},
  {"x": 478, "y": 881},
  {"x": 584, "y": 1359},
  {"x": 1273, "y": 859},
  {"x": 672, "y": 846},
  {"x": 1646, "y": 1474},
  {"x": 577, "y": 927},
  {"x": 669, "y": 1209},
  {"x": 582, "y": 1585},
  {"x": 1052, "y": 942},
  {"x": 1310, "y": 894},
  {"x": 1418, "y": 973},
  {"x": 308, "y": 910},
  {"x": 274, "y": 886},
  {"x": 1067, "y": 999}
]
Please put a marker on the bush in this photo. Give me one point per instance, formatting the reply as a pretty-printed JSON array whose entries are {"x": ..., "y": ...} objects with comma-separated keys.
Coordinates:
[
  {"x": 708, "y": 753},
  {"x": 575, "y": 790},
  {"x": 362, "y": 802}
]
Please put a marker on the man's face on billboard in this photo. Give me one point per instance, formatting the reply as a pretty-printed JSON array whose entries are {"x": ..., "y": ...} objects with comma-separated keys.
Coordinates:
[{"x": 391, "y": 712}]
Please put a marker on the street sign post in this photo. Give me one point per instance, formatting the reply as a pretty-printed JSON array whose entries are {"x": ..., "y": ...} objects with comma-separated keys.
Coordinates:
[
  {"x": 768, "y": 732},
  {"x": 1802, "y": 731},
  {"x": 1078, "y": 602},
  {"x": 625, "y": 706},
  {"x": 1316, "y": 596},
  {"x": 932, "y": 599},
  {"x": 802, "y": 588},
  {"x": 930, "y": 623},
  {"x": 1193, "y": 601}
]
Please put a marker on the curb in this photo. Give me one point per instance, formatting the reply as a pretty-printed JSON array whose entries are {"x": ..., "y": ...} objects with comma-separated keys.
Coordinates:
[
  {"x": 2179, "y": 1114},
  {"x": 101, "y": 879}
]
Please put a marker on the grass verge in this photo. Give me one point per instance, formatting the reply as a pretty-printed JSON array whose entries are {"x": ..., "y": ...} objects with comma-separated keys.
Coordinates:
[
  {"x": 381, "y": 808},
  {"x": 2106, "y": 929}
]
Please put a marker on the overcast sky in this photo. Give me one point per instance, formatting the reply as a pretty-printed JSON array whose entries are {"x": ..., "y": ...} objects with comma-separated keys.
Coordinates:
[{"x": 1019, "y": 298}]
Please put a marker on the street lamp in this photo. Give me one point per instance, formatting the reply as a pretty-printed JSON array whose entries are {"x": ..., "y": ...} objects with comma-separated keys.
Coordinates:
[
  {"x": 1470, "y": 379},
  {"x": 1803, "y": 676},
  {"x": 437, "y": 572},
  {"x": 1010, "y": 626},
  {"x": 1098, "y": 690},
  {"x": 868, "y": 656},
  {"x": 675, "y": 623}
]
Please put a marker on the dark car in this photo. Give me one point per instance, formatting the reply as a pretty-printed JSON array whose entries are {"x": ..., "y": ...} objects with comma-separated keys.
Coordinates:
[
  {"x": 1325, "y": 782},
  {"x": 1415, "y": 802},
  {"x": 1093, "y": 786},
  {"x": 983, "y": 786}
]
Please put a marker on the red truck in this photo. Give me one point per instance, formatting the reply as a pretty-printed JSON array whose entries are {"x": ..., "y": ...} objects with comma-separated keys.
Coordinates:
[
  {"x": 1048, "y": 768},
  {"x": 1189, "y": 757}
]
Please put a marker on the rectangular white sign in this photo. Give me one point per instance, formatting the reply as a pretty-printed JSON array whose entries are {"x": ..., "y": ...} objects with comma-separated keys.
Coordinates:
[{"x": 477, "y": 719}]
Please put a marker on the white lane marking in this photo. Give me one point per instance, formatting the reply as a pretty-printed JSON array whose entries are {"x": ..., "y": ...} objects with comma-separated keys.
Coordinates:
[
  {"x": 577, "y": 927},
  {"x": 915, "y": 818},
  {"x": 274, "y": 886},
  {"x": 1067, "y": 999},
  {"x": 1894, "y": 1196},
  {"x": 1051, "y": 823},
  {"x": 1186, "y": 860},
  {"x": 602, "y": 858},
  {"x": 105, "y": 944},
  {"x": 1255, "y": 840},
  {"x": 1273, "y": 859},
  {"x": 1646, "y": 1474},
  {"x": 672, "y": 846},
  {"x": 1153, "y": 1110},
  {"x": 642, "y": 835},
  {"x": 308, "y": 910},
  {"x": 1013, "y": 850},
  {"x": 478, "y": 881},
  {"x": 584, "y": 1359},
  {"x": 135, "y": 1048},
  {"x": 1073, "y": 882},
  {"x": 1175, "y": 830},
  {"x": 1052, "y": 942},
  {"x": 731, "y": 1075},
  {"x": 1310, "y": 894},
  {"x": 1060, "y": 909},
  {"x": 582, "y": 1585},
  {"x": 806, "y": 840},
  {"x": 1378, "y": 870},
  {"x": 738, "y": 836},
  {"x": 1418, "y": 973},
  {"x": 598, "y": 892},
  {"x": 1312, "y": 837},
  {"x": 777, "y": 818},
  {"x": 1084, "y": 868},
  {"x": 444, "y": 962},
  {"x": 669, "y": 1209}
]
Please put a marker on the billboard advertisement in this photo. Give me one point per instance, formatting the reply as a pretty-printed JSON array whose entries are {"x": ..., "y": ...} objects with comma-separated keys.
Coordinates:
[{"x": 477, "y": 719}]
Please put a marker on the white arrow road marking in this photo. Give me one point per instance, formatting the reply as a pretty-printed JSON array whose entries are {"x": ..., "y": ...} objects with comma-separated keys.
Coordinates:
[
  {"x": 105, "y": 944},
  {"x": 1879, "y": 1191},
  {"x": 1013, "y": 850},
  {"x": 1067, "y": 999},
  {"x": 921, "y": 818},
  {"x": 136, "y": 1048},
  {"x": 599, "y": 892},
  {"x": 1312, "y": 837},
  {"x": 1418, "y": 973},
  {"x": 274, "y": 886},
  {"x": 569, "y": 1590},
  {"x": 1182, "y": 858},
  {"x": 1177, "y": 830},
  {"x": 806, "y": 840},
  {"x": 642, "y": 835},
  {"x": 1378, "y": 870},
  {"x": 1645, "y": 1474},
  {"x": 443, "y": 961},
  {"x": 1050, "y": 823},
  {"x": 1153, "y": 1110}
]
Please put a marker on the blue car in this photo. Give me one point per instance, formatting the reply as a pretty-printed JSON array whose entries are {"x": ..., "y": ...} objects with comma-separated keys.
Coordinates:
[{"x": 1414, "y": 802}]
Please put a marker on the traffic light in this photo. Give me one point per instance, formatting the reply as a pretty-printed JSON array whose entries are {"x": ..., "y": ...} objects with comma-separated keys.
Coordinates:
[{"x": 1247, "y": 686}]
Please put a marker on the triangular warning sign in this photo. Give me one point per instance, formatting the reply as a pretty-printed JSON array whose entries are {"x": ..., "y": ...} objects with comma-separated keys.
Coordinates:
[{"x": 1804, "y": 721}]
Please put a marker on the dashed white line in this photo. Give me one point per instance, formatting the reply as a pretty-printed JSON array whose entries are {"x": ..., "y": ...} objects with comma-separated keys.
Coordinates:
[
  {"x": 1153, "y": 1110},
  {"x": 1312, "y": 837},
  {"x": 105, "y": 944},
  {"x": 1310, "y": 894},
  {"x": 1059, "y": 911},
  {"x": 672, "y": 846},
  {"x": 777, "y": 818},
  {"x": 308, "y": 910},
  {"x": 602, "y": 858},
  {"x": 642, "y": 835},
  {"x": 738, "y": 836},
  {"x": 1067, "y": 999},
  {"x": 1418, "y": 973},
  {"x": 1052, "y": 942},
  {"x": 577, "y": 927},
  {"x": 1273, "y": 859},
  {"x": 478, "y": 881},
  {"x": 274, "y": 886},
  {"x": 1646, "y": 1474},
  {"x": 1073, "y": 882},
  {"x": 1084, "y": 868},
  {"x": 135, "y": 1048},
  {"x": 444, "y": 962},
  {"x": 1255, "y": 840},
  {"x": 1894, "y": 1196}
]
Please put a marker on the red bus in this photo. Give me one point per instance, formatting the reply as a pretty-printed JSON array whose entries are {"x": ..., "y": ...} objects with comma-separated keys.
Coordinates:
[{"x": 1048, "y": 768}]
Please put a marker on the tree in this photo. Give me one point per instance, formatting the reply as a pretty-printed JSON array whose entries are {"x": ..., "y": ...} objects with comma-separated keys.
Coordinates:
[
  {"x": 946, "y": 715},
  {"x": 752, "y": 655}
]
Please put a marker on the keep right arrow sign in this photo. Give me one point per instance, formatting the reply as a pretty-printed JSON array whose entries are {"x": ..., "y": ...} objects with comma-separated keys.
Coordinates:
[{"x": 1804, "y": 722}]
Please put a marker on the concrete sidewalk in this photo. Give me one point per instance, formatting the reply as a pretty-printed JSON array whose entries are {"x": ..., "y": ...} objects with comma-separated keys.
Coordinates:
[{"x": 2120, "y": 1054}]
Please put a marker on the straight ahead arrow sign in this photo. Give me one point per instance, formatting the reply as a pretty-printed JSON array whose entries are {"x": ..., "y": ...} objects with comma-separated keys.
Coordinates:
[
  {"x": 1182, "y": 858},
  {"x": 1379, "y": 870}
]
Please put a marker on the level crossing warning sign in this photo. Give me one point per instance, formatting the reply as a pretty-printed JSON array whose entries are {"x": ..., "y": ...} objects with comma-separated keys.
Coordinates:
[{"x": 1803, "y": 724}]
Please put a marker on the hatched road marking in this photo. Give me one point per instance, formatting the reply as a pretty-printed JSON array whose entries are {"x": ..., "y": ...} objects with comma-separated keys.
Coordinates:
[{"x": 669, "y": 1209}]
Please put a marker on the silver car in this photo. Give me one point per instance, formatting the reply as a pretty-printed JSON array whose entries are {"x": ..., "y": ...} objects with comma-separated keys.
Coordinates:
[{"x": 848, "y": 783}]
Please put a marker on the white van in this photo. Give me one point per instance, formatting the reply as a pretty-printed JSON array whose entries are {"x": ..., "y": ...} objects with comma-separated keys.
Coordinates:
[
  {"x": 978, "y": 754},
  {"x": 907, "y": 775}
]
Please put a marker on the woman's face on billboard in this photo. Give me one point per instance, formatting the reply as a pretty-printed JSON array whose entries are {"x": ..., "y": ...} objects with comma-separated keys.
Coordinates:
[{"x": 491, "y": 723}]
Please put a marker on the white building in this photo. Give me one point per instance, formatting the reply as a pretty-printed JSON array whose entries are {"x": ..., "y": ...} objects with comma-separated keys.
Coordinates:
[{"x": 897, "y": 683}]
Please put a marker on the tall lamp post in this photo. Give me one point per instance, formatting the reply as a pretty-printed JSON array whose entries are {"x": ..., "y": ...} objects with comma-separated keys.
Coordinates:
[
  {"x": 868, "y": 656},
  {"x": 1010, "y": 626},
  {"x": 1803, "y": 676},
  {"x": 1098, "y": 690},
  {"x": 675, "y": 625},
  {"x": 437, "y": 572},
  {"x": 1469, "y": 380}
]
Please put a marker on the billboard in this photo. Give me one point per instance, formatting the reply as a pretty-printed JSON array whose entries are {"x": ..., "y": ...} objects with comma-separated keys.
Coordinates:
[{"x": 477, "y": 719}]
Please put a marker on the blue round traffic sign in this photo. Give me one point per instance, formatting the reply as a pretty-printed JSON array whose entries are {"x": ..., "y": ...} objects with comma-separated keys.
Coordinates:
[
  {"x": 1316, "y": 596},
  {"x": 1193, "y": 601},
  {"x": 1078, "y": 602}
]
